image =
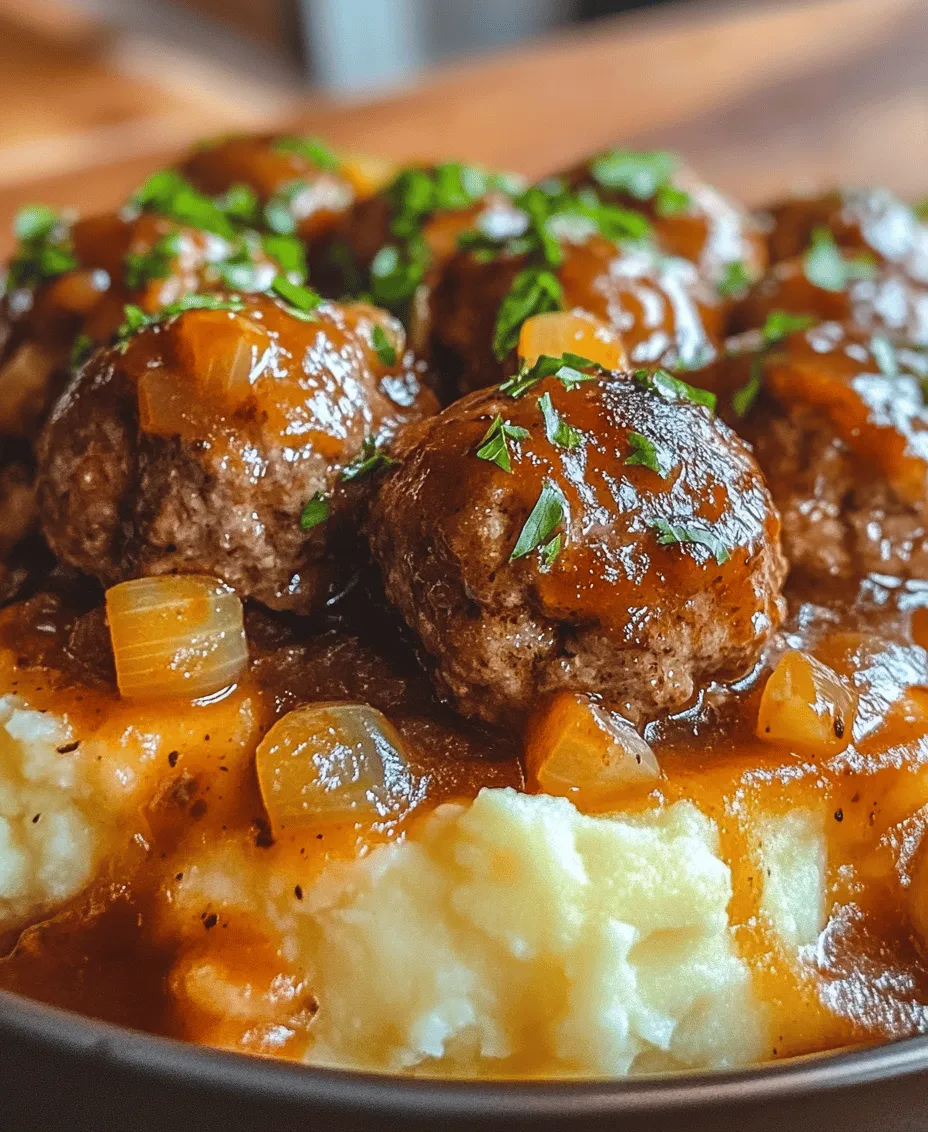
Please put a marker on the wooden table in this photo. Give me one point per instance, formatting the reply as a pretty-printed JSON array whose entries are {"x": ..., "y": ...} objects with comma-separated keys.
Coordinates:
[{"x": 761, "y": 97}]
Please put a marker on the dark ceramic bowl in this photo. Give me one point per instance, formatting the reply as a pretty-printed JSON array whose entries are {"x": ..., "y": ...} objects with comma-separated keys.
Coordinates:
[{"x": 63, "y": 1073}]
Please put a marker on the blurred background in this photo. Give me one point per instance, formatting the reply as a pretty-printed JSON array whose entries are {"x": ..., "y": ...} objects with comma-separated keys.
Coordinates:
[{"x": 762, "y": 94}]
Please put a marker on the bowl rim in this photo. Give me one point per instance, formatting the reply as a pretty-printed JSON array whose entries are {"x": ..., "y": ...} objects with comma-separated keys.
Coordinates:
[{"x": 169, "y": 1060}]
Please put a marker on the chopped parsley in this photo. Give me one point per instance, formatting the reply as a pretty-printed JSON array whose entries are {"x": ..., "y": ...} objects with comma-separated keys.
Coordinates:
[
  {"x": 670, "y": 534},
  {"x": 312, "y": 149},
  {"x": 646, "y": 453},
  {"x": 535, "y": 290},
  {"x": 567, "y": 369},
  {"x": 288, "y": 252},
  {"x": 279, "y": 211},
  {"x": 495, "y": 444},
  {"x": 370, "y": 459},
  {"x": 550, "y": 551},
  {"x": 397, "y": 270},
  {"x": 240, "y": 203},
  {"x": 825, "y": 265},
  {"x": 81, "y": 350},
  {"x": 735, "y": 281},
  {"x": 743, "y": 399},
  {"x": 779, "y": 324},
  {"x": 135, "y": 319},
  {"x": 671, "y": 201},
  {"x": 674, "y": 388},
  {"x": 920, "y": 208},
  {"x": 383, "y": 347},
  {"x": 557, "y": 430},
  {"x": 547, "y": 513},
  {"x": 884, "y": 354},
  {"x": 301, "y": 301},
  {"x": 640, "y": 174},
  {"x": 44, "y": 247},
  {"x": 316, "y": 511},
  {"x": 156, "y": 263},
  {"x": 169, "y": 193}
]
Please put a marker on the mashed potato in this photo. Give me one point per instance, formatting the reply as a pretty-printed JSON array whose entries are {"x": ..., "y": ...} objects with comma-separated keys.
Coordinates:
[
  {"x": 518, "y": 936},
  {"x": 794, "y": 856},
  {"x": 49, "y": 837}
]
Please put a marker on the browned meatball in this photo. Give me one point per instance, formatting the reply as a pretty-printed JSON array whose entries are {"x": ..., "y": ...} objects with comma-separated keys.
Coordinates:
[
  {"x": 690, "y": 218},
  {"x": 607, "y": 535},
  {"x": 838, "y": 422},
  {"x": 874, "y": 222},
  {"x": 299, "y": 186},
  {"x": 664, "y": 312},
  {"x": 394, "y": 244},
  {"x": 100, "y": 264},
  {"x": 875, "y": 297},
  {"x": 196, "y": 445}
]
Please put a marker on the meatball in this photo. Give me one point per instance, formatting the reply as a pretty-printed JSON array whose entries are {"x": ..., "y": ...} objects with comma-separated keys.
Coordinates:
[
  {"x": 298, "y": 184},
  {"x": 690, "y": 218},
  {"x": 664, "y": 312},
  {"x": 53, "y": 314},
  {"x": 875, "y": 297},
  {"x": 394, "y": 244},
  {"x": 873, "y": 222},
  {"x": 838, "y": 422},
  {"x": 196, "y": 444},
  {"x": 590, "y": 532}
]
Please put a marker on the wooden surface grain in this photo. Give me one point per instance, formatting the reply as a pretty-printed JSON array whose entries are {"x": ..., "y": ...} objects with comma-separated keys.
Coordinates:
[{"x": 760, "y": 97}]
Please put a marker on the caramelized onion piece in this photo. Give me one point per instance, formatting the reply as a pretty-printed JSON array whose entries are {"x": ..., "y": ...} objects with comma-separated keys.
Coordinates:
[
  {"x": 220, "y": 356},
  {"x": 178, "y": 635},
  {"x": 335, "y": 764},
  {"x": 367, "y": 174},
  {"x": 571, "y": 332},
  {"x": 581, "y": 751},
  {"x": 807, "y": 705}
]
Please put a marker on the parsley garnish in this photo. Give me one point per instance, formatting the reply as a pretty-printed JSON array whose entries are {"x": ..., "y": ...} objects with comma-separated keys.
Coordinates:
[
  {"x": 640, "y": 174},
  {"x": 44, "y": 248},
  {"x": 397, "y": 270},
  {"x": 316, "y": 511},
  {"x": 920, "y": 208},
  {"x": 826, "y": 266},
  {"x": 288, "y": 252},
  {"x": 669, "y": 534},
  {"x": 278, "y": 211},
  {"x": 674, "y": 388},
  {"x": 743, "y": 399},
  {"x": 670, "y": 201},
  {"x": 81, "y": 350},
  {"x": 370, "y": 459},
  {"x": 646, "y": 453},
  {"x": 312, "y": 149},
  {"x": 495, "y": 447},
  {"x": 384, "y": 348},
  {"x": 884, "y": 354},
  {"x": 156, "y": 263},
  {"x": 240, "y": 202},
  {"x": 567, "y": 369},
  {"x": 544, "y": 517},
  {"x": 779, "y": 324},
  {"x": 135, "y": 319},
  {"x": 735, "y": 281},
  {"x": 535, "y": 290},
  {"x": 558, "y": 431},
  {"x": 301, "y": 301},
  {"x": 170, "y": 194},
  {"x": 550, "y": 551}
]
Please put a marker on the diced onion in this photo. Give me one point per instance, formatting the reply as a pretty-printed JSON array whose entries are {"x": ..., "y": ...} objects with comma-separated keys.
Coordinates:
[
  {"x": 178, "y": 635},
  {"x": 335, "y": 764},
  {"x": 219, "y": 357},
  {"x": 807, "y": 705},
  {"x": 582, "y": 751},
  {"x": 571, "y": 332}
]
